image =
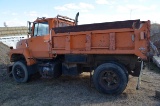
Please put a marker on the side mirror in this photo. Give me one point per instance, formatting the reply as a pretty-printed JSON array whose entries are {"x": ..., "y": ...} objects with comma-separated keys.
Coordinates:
[{"x": 29, "y": 25}]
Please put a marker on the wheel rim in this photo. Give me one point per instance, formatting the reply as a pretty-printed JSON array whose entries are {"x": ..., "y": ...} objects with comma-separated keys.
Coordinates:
[
  {"x": 19, "y": 73},
  {"x": 109, "y": 80}
]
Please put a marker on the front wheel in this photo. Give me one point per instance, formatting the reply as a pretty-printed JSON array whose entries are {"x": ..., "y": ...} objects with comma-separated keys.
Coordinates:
[
  {"x": 20, "y": 73},
  {"x": 110, "y": 78}
]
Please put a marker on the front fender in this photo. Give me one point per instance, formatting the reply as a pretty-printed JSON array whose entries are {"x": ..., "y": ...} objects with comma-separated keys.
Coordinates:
[{"x": 25, "y": 52}]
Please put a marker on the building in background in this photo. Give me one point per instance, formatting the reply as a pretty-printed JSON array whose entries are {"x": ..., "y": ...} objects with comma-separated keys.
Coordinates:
[{"x": 11, "y": 35}]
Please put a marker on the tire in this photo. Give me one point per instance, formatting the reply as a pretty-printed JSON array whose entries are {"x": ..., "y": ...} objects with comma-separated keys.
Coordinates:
[
  {"x": 19, "y": 72},
  {"x": 110, "y": 78},
  {"x": 124, "y": 68}
]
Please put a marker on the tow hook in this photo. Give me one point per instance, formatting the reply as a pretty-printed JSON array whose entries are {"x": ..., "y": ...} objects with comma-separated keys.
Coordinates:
[{"x": 139, "y": 78}]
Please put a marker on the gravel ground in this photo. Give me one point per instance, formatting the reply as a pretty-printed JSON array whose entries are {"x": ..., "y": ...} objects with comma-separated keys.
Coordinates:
[{"x": 75, "y": 91}]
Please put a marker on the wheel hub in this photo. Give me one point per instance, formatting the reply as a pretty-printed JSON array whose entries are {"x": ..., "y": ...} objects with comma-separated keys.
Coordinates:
[
  {"x": 19, "y": 72},
  {"x": 110, "y": 79}
]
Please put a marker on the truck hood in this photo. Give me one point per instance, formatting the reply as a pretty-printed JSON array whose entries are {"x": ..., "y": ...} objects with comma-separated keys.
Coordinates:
[{"x": 21, "y": 44}]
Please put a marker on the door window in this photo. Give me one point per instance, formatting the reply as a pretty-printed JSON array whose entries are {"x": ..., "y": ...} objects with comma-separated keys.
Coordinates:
[{"x": 41, "y": 29}]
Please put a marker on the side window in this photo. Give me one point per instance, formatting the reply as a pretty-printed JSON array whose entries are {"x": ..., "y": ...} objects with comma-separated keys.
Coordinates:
[
  {"x": 41, "y": 29},
  {"x": 35, "y": 29}
]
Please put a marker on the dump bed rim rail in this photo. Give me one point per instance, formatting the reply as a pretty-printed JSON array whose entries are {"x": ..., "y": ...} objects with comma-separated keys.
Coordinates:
[{"x": 99, "y": 26}]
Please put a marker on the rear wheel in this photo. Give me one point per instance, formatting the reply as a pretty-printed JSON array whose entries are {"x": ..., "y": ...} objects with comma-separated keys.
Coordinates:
[
  {"x": 110, "y": 78},
  {"x": 20, "y": 73}
]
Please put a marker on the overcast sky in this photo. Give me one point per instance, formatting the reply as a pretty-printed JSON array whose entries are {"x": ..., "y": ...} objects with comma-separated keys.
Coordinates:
[{"x": 18, "y": 12}]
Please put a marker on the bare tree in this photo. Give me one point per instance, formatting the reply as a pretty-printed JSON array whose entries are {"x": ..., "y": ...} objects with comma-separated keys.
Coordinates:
[
  {"x": 155, "y": 28},
  {"x": 5, "y": 25}
]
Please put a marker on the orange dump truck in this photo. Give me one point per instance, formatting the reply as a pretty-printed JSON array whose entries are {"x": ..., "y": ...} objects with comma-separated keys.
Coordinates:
[{"x": 58, "y": 46}]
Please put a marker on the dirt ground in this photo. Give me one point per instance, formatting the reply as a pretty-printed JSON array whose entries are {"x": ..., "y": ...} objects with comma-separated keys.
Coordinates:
[{"x": 74, "y": 91}]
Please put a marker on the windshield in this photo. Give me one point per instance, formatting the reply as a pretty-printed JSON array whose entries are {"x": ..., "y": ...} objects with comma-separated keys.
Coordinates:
[{"x": 41, "y": 29}]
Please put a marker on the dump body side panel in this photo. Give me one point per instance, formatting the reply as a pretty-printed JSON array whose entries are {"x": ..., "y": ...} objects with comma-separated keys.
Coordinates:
[{"x": 110, "y": 41}]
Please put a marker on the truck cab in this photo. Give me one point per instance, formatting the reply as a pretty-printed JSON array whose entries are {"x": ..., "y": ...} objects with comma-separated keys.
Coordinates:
[
  {"x": 41, "y": 34},
  {"x": 39, "y": 42},
  {"x": 42, "y": 26},
  {"x": 38, "y": 46}
]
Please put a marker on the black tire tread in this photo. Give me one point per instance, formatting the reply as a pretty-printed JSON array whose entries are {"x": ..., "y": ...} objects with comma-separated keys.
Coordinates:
[{"x": 23, "y": 65}]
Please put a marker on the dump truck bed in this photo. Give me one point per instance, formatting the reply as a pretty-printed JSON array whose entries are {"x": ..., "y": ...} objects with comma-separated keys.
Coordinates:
[
  {"x": 121, "y": 37},
  {"x": 98, "y": 26}
]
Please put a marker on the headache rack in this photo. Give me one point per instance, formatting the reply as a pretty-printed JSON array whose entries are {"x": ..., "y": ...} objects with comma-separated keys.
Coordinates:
[{"x": 65, "y": 18}]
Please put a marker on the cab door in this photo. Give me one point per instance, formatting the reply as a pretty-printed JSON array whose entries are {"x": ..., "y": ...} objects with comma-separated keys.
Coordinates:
[{"x": 39, "y": 45}]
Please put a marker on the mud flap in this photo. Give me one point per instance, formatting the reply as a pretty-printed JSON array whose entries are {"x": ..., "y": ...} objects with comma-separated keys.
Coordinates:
[
  {"x": 136, "y": 70},
  {"x": 139, "y": 78}
]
